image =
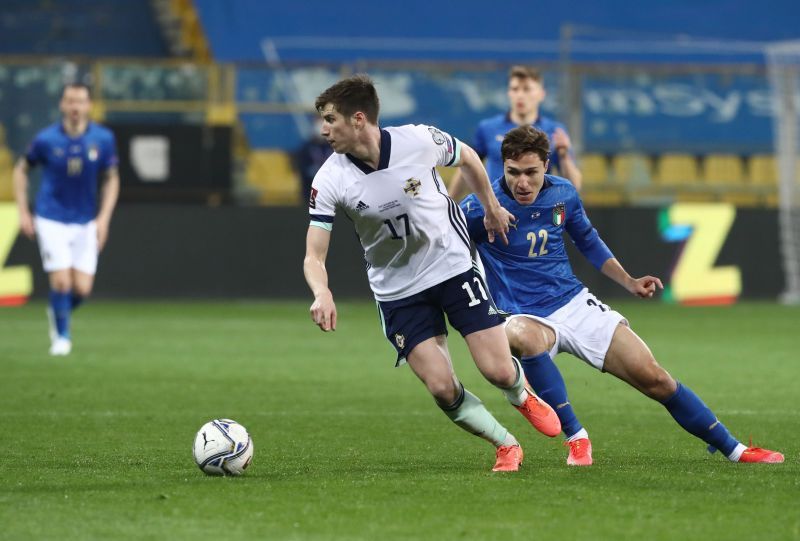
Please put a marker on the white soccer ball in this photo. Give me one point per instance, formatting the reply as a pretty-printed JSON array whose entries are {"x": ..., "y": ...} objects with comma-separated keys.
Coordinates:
[{"x": 223, "y": 447}]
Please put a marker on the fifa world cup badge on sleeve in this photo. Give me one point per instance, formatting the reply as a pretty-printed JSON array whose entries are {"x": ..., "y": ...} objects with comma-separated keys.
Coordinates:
[
  {"x": 312, "y": 199},
  {"x": 438, "y": 137}
]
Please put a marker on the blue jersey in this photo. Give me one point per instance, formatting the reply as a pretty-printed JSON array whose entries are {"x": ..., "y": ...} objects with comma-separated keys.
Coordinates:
[
  {"x": 491, "y": 131},
  {"x": 68, "y": 192},
  {"x": 532, "y": 274}
]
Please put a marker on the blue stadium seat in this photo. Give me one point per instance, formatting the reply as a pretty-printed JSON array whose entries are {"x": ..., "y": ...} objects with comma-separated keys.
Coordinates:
[{"x": 80, "y": 27}]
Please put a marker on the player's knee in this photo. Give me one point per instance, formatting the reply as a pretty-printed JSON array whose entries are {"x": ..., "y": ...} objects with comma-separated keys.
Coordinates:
[
  {"x": 82, "y": 290},
  {"x": 60, "y": 284},
  {"x": 527, "y": 338},
  {"x": 515, "y": 332},
  {"x": 444, "y": 390},
  {"x": 503, "y": 375}
]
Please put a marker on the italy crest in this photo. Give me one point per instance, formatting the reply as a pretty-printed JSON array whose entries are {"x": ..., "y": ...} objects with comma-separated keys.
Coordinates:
[{"x": 559, "y": 214}]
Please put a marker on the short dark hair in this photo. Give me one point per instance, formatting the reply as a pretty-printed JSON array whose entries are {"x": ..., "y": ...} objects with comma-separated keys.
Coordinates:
[
  {"x": 351, "y": 95},
  {"x": 76, "y": 85},
  {"x": 525, "y": 140},
  {"x": 525, "y": 72}
]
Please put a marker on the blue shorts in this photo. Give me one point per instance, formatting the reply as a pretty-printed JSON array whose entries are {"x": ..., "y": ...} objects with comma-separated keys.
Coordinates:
[{"x": 464, "y": 298}]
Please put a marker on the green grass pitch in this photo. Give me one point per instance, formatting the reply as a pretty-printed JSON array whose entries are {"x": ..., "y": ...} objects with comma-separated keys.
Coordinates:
[{"x": 98, "y": 445}]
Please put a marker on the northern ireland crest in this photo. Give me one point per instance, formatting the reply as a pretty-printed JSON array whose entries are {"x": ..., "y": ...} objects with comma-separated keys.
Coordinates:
[{"x": 412, "y": 187}]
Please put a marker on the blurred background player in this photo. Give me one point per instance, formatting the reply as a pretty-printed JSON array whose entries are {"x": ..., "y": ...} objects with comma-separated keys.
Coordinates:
[
  {"x": 74, "y": 153},
  {"x": 526, "y": 93},
  {"x": 309, "y": 157},
  {"x": 417, "y": 253},
  {"x": 551, "y": 311}
]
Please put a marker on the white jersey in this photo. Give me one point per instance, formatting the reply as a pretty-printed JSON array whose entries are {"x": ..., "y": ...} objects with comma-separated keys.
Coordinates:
[{"x": 413, "y": 234}]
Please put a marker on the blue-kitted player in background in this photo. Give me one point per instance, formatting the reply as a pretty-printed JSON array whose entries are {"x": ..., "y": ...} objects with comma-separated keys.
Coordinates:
[
  {"x": 551, "y": 311},
  {"x": 526, "y": 93},
  {"x": 74, "y": 153}
]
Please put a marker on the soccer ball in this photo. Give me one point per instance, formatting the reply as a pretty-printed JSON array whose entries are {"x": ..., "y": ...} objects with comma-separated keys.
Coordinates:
[{"x": 223, "y": 447}]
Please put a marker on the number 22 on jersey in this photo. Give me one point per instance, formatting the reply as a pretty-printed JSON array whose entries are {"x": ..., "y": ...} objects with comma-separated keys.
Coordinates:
[{"x": 533, "y": 237}]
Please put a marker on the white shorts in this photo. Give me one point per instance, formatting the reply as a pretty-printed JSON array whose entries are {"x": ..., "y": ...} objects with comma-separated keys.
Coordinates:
[
  {"x": 67, "y": 246},
  {"x": 584, "y": 327}
]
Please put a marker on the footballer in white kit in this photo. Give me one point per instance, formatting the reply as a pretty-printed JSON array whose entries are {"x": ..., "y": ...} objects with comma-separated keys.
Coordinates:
[
  {"x": 398, "y": 210},
  {"x": 417, "y": 254}
]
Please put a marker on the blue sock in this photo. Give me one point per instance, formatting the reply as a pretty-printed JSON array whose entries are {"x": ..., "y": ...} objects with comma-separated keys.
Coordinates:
[
  {"x": 75, "y": 301},
  {"x": 696, "y": 418},
  {"x": 61, "y": 305},
  {"x": 545, "y": 378}
]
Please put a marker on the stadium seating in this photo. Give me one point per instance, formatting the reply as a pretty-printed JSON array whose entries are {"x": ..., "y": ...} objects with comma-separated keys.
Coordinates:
[
  {"x": 631, "y": 168},
  {"x": 595, "y": 169},
  {"x": 598, "y": 188},
  {"x": 725, "y": 175},
  {"x": 762, "y": 170},
  {"x": 6, "y": 165},
  {"x": 673, "y": 169},
  {"x": 80, "y": 27},
  {"x": 447, "y": 174},
  {"x": 724, "y": 169},
  {"x": 271, "y": 172}
]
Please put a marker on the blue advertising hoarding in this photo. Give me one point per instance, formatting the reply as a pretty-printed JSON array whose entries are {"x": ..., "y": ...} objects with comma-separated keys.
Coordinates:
[{"x": 626, "y": 111}]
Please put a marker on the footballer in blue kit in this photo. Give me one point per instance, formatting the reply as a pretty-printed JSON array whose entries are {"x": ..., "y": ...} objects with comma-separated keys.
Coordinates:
[
  {"x": 525, "y": 95},
  {"x": 549, "y": 310},
  {"x": 70, "y": 226},
  {"x": 491, "y": 131}
]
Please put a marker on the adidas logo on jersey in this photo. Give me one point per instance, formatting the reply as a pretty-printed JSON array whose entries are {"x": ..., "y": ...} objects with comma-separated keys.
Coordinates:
[
  {"x": 361, "y": 207},
  {"x": 492, "y": 311}
]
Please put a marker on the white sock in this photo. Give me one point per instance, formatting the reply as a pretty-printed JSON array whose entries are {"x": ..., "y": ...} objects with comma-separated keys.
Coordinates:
[
  {"x": 579, "y": 435},
  {"x": 469, "y": 413},
  {"x": 510, "y": 440},
  {"x": 517, "y": 394},
  {"x": 737, "y": 452}
]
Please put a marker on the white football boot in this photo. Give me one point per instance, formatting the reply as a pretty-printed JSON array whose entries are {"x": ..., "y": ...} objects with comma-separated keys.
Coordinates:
[{"x": 61, "y": 346}]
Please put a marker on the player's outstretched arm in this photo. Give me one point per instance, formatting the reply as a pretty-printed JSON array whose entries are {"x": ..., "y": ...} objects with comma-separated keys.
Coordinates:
[
  {"x": 497, "y": 218},
  {"x": 643, "y": 287},
  {"x": 108, "y": 200},
  {"x": 20, "y": 180},
  {"x": 567, "y": 167},
  {"x": 323, "y": 310}
]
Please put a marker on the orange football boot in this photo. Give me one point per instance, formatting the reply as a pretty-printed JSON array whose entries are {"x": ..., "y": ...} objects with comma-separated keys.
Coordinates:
[
  {"x": 509, "y": 457},
  {"x": 540, "y": 415},
  {"x": 580, "y": 452},
  {"x": 757, "y": 455}
]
